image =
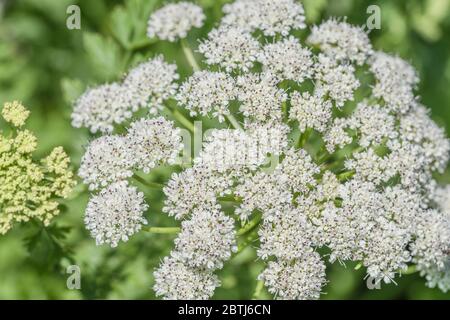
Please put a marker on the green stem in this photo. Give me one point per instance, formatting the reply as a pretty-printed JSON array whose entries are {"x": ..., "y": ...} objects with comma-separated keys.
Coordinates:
[
  {"x": 162, "y": 230},
  {"x": 234, "y": 121},
  {"x": 411, "y": 269},
  {"x": 189, "y": 55},
  {"x": 259, "y": 287},
  {"x": 181, "y": 118},
  {"x": 251, "y": 237},
  {"x": 249, "y": 225},
  {"x": 303, "y": 138},
  {"x": 343, "y": 176},
  {"x": 149, "y": 184}
]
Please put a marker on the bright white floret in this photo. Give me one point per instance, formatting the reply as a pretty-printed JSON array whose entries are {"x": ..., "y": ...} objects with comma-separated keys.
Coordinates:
[
  {"x": 341, "y": 41},
  {"x": 107, "y": 159},
  {"x": 395, "y": 81},
  {"x": 260, "y": 97},
  {"x": 176, "y": 281},
  {"x": 207, "y": 92},
  {"x": 174, "y": 21},
  {"x": 299, "y": 279},
  {"x": 151, "y": 83},
  {"x": 287, "y": 59},
  {"x": 100, "y": 108},
  {"x": 336, "y": 79},
  {"x": 231, "y": 48},
  {"x": 115, "y": 214},
  {"x": 154, "y": 142},
  {"x": 311, "y": 111},
  {"x": 206, "y": 240},
  {"x": 271, "y": 17}
]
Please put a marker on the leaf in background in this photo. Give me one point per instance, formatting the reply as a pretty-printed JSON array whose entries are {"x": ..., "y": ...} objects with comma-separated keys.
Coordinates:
[
  {"x": 71, "y": 89},
  {"x": 46, "y": 248},
  {"x": 104, "y": 56},
  {"x": 121, "y": 26}
]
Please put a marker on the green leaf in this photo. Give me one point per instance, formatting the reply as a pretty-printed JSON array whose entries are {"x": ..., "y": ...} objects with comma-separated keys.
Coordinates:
[
  {"x": 104, "y": 56},
  {"x": 71, "y": 89},
  {"x": 121, "y": 26}
]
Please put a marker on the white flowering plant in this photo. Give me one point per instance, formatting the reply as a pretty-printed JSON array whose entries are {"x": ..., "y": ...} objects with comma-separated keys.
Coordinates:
[{"x": 318, "y": 151}]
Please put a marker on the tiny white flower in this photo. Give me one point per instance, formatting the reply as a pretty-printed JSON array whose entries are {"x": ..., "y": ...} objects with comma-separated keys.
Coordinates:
[
  {"x": 174, "y": 21},
  {"x": 115, "y": 214}
]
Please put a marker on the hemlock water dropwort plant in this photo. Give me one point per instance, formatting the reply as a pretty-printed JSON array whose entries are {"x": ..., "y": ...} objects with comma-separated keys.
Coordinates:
[{"x": 356, "y": 154}]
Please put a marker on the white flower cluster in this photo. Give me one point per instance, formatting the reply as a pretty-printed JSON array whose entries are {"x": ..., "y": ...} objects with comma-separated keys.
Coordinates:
[
  {"x": 115, "y": 213},
  {"x": 271, "y": 17},
  {"x": 318, "y": 156},
  {"x": 174, "y": 21},
  {"x": 147, "y": 85},
  {"x": 231, "y": 48},
  {"x": 110, "y": 160},
  {"x": 207, "y": 92}
]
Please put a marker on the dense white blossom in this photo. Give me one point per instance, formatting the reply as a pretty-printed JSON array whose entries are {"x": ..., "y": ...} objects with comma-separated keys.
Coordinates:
[
  {"x": 395, "y": 81},
  {"x": 418, "y": 128},
  {"x": 107, "y": 159},
  {"x": 285, "y": 234},
  {"x": 287, "y": 59},
  {"x": 336, "y": 135},
  {"x": 231, "y": 48},
  {"x": 207, "y": 92},
  {"x": 150, "y": 83},
  {"x": 299, "y": 279},
  {"x": 373, "y": 123},
  {"x": 310, "y": 110},
  {"x": 115, "y": 214},
  {"x": 330, "y": 149},
  {"x": 100, "y": 108},
  {"x": 193, "y": 188},
  {"x": 337, "y": 80},
  {"x": 260, "y": 97},
  {"x": 271, "y": 17},
  {"x": 341, "y": 41},
  {"x": 154, "y": 142},
  {"x": 206, "y": 240},
  {"x": 174, "y": 20},
  {"x": 176, "y": 281}
]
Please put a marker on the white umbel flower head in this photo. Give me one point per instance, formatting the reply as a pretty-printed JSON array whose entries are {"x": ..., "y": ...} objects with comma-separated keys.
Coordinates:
[
  {"x": 373, "y": 123},
  {"x": 335, "y": 79},
  {"x": 176, "y": 281},
  {"x": 287, "y": 59},
  {"x": 260, "y": 97},
  {"x": 285, "y": 234},
  {"x": 100, "y": 108},
  {"x": 174, "y": 21},
  {"x": 310, "y": 110},
  {"x": 115, "y": 214},
  {"x": 206, "y": 240},
  {"x": 154, "y": 142},
  {"x": 107, "y": 159},
  {"x": 418, "y": 128},
  {"x": 341, "y": 41},
  {"x": 207, "y": 92},
  {"x": 151, "y": 83},
  {"x": 195, "y": 187},
  {"x": 299, "y": 279},
  {"x": 271, "y": 17},
  {"x": 395, "y": 81},
  {"x": 231, "y": 48}
]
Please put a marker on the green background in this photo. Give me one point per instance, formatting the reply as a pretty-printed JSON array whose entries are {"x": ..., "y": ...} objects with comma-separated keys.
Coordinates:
[{"x": 46, "y": 66}]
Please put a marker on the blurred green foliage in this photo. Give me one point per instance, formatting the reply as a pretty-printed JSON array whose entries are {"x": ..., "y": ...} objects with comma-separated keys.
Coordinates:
[{"x": 47, "y": 66}]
